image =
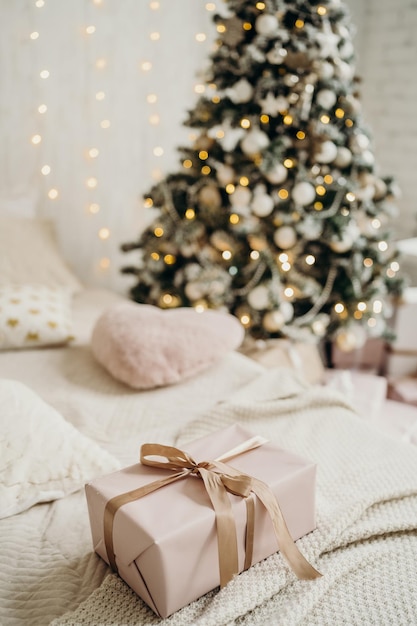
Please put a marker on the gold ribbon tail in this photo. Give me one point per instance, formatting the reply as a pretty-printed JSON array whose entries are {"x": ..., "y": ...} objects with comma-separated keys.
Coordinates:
[{"x": 298, "y": 563}]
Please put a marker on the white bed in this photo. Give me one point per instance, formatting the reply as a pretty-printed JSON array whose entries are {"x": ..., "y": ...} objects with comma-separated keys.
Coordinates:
[{"x": 365, "y": 544}]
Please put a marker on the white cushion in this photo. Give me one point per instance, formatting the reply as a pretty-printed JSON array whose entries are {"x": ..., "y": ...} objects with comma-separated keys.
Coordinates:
[
  {"x": 42, "y": 456},
  {"x": 33, "y": 316},
  {"x": 29, "y": 254}
]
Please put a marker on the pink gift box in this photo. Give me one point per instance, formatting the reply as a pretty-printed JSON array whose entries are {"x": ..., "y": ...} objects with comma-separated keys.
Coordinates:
[{"x": 165, "y": 544}]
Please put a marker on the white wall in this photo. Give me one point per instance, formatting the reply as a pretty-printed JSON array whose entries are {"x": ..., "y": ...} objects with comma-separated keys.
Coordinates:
[
  {"x": 126, "y": 164},
  {"x": 386, "y": 46}
]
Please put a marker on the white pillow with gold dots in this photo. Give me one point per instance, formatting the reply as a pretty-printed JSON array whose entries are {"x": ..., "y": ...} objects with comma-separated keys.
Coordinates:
[{"x": 33, "y": 316}]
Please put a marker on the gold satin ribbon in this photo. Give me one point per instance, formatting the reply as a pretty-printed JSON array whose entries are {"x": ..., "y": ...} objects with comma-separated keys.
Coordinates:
[{"x": 218, "y": 479}]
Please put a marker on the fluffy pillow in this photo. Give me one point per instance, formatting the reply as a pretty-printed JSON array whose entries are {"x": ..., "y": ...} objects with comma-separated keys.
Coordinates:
[
  {"x": 29, "y": 254},
  {"x": 42, "y": 457},
  {"x": 145, "y": 347},
  {"x": 33, "y": 316}
]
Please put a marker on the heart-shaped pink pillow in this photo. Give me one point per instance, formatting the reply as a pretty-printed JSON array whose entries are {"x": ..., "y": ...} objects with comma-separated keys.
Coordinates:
[{"x": 145, "y": 347}]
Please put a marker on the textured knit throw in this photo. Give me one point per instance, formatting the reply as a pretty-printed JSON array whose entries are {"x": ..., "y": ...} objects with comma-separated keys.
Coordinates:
[{"x": 365, "y": 543}]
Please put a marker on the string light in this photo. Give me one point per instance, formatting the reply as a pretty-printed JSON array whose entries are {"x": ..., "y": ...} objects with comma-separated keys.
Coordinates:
[
  {"x": 91, "y": 182},
  {"x": 154, "y": 119},
  {"x": 158, "y": 231},
  {"x": 383, "y": 246},
  {"x": 148, "y": 203},
  {"x": 40, "y": 3},
  {"x": 36, "y": 139},
  {"x": 254, "y": 255},
  {"x": 187, "y": 163},
  {"x": 101, "y": 63},
  {"x": 104, "y": 263},
  {"x": 90, "y": 30},
  {"x": 377, "y": 306},
  {"x": 234, "y": 218},
  {"x": 310, "y": 259},
  {"x": 245, "y": 123},
  {"x": 283, "y": 194},
  {"x": 230, "y": 188},
  {"x": 289, "y": 292},
  {"x": 339, "y": 307},
  {"x": 151, "y": 98},
  {"x": 350, "y": 197},
  {"x": 34, "y": 35},
  {"x": 200, "y": 88},
  {"x": 104, "y": 233},
  {"x": 100, "y": 95},
  {"x": 42, "y": 108},
  {"x": 154, "y": 5},
  {"x": 210, "y": 6},
  {"x": 45, "y": 170},
  {"x": 190, "y": 214},
  {"x": 105, "y": 123},
  {"x": 44, "y": 74},
  {"x": 93, "y": 208},
  {"x": 200, "y": 37},
  {"x": 170, "y": 259},
  {"x": 368, "y": 262},
  {"x": 244, "y": 181},
  {"x": 53, "y": 194},
  {"x": 146, "y": 66},
  {"x": 93, "y": 153}
]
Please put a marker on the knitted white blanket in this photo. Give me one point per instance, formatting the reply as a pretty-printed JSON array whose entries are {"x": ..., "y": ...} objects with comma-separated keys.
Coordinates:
[{"x": 365, "y": 544}]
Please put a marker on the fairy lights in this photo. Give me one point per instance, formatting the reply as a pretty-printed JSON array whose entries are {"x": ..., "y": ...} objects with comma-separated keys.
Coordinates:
[{"x": 92, "y": 172}]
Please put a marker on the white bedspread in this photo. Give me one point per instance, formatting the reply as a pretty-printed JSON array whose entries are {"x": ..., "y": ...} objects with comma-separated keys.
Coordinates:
[{"x": 365, "y": 543}]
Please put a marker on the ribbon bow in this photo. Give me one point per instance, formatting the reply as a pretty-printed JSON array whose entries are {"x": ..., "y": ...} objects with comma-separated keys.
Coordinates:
[{"x": 218, "y": 479}]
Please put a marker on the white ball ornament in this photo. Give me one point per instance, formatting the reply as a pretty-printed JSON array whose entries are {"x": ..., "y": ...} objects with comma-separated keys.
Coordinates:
[
  {"x": 345, "y": 71},
  {"x": 241, "y": 91},
  {"x": 347, "y": 50},
  {"x": 194, "y": 291},
  {"x": 277, "y": 174},
  {"x": 210, "y": 197},
  {"x": 368, "y": 157},
  {"x": 262, "y": 203},
  {"x": 266, "y": 24},
  {"x": 285, "y": 237},
  {"x": 258, "y": 298},
  {"x": 225, "y": 174},
  {"x": 327, "y": 153},
  {"x": 240, "y": 198},
  {"x": 254, "y": 142},
  {"x": 359, "y": 142},
  {"x": 303, "y": 193},
  {"x": 273, "y": 321},
  {"x": 325, "y": 70},
  {"x": 326, "y": 98},
  {"x": 343, "y": 157}
]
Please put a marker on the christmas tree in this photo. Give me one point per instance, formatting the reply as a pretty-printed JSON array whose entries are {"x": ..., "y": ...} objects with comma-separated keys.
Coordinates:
[{"x": 277, "y": 213}]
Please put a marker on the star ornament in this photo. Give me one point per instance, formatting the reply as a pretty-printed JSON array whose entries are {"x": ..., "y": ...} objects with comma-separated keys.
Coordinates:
[
  {"x": 272, "y": 105},
  {"x": 328, "y": 42}
]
